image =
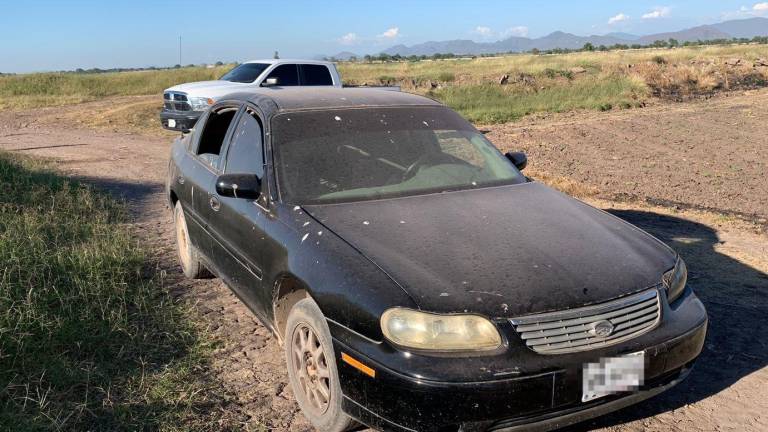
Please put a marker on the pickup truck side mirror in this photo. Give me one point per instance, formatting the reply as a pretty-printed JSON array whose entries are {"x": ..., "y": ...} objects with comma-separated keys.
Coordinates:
[
  {"x": 269, "y": 82},
  {"x": 246, "y": 186},
  {"x": 518, "y": 159}
]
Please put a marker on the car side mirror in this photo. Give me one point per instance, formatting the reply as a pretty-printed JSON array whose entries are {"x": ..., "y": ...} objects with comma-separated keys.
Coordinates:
[
  {"x": 518, "y": 159},
  {"x": 246, "y": 186},
  {"x": 269, "y": 82}
]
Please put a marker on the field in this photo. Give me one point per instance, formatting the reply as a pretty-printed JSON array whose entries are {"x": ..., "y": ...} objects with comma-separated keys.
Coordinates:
[
  {"x": 691, "y": 173},
  {"x": 534, "y": 83},
  {"x": 107, "y": 334}
]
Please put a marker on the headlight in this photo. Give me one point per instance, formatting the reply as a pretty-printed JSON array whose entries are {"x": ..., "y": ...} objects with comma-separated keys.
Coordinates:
[
  {"x": 427, "y": 331},
  {"x": 675, "y": 280},
  {"x": 200, "y": 103}
]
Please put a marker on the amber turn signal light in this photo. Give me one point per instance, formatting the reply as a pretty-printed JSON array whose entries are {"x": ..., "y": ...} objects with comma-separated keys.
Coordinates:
[{"x": 357, "y": 365}]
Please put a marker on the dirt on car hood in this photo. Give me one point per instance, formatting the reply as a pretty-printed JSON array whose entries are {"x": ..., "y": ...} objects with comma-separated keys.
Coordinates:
[{"x": 502, "y": 251}]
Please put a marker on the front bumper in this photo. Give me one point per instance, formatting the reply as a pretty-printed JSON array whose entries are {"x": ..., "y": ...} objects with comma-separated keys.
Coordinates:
[
  {"x": 181, "y": 121},
  {"x": 513, "y": 390}
]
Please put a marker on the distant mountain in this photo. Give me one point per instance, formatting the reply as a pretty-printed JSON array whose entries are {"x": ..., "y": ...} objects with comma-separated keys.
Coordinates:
[
  {"x": 746, "y": 28},
  {"x": 512, "y": 44},
  {"x": 692, "y": 34},
  {"x": 346, "y": 55},
  {"x": 625, "y": 36}
]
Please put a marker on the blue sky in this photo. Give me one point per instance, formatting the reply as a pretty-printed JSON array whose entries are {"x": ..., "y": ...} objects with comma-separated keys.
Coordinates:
[{"x": 61, "y": 35}]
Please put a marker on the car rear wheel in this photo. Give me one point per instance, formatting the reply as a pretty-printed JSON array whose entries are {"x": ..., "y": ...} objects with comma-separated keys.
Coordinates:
[
  {"x": 189, "y": 257},
  {"x": 312, "y": 368}
]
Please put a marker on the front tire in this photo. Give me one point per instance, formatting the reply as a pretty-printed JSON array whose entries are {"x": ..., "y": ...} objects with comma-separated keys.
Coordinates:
[
  {"x": 312, "y": 368},
  {"x": 189, "y": 257}
]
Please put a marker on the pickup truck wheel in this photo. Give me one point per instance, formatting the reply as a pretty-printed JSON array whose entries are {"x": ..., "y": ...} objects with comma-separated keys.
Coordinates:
[
  {"x": 312, "y": 368},
  {"x": 189, "y": 257}
]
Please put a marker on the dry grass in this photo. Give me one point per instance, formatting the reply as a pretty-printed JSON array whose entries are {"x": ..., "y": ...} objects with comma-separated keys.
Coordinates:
[
  {"x": 536, "y": 83},
  {"x": 563, "y": 184},
  {"x": 52, "y": 89}
]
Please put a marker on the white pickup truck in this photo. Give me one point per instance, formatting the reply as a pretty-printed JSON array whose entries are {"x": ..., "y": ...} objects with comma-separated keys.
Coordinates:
[{"x": 184, "y": 103}]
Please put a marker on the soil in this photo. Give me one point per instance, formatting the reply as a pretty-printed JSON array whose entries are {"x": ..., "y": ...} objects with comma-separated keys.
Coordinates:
[
  {"x": 710, "y": 154},
  {"x": 692, "y": 174}
]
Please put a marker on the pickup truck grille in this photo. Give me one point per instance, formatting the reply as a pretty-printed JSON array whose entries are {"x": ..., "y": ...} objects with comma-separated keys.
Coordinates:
[
  {"x": 591, "y": 327},
  {"x": 174, "y": 101}
]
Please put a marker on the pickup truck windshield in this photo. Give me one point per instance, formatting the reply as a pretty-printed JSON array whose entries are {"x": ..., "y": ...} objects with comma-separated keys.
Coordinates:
[
  {"x": 245, "y": 73},
  {"x": 363, "y": 154}
]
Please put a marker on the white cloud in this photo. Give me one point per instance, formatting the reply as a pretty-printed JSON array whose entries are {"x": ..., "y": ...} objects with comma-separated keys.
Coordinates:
[
  {"x": 618, "y": 18},
  {"x": 392, "y": 33},
  {"x": 658, "y": 12},
  {"x": 758, "y": 9},
  {"x": 520, "y": 31},
  {"x": 348, "y": 39},
  {"x": 483, "y": 31}
]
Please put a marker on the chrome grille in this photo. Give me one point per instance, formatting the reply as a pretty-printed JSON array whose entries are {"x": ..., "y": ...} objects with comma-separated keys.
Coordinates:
[
  {"x": 174, "y": 101},
  {"x": 575, "y": 329}
]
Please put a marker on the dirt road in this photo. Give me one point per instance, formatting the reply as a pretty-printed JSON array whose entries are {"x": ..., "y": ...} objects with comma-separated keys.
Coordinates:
[{"x": 636, "y": 156}]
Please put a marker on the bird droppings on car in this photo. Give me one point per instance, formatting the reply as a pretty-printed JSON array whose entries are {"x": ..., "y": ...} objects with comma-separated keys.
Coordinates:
[{"x": 305, "y": 237}]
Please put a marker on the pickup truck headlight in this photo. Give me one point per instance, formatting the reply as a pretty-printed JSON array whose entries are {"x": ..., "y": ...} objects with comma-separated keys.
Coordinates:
[
  {"x": 427, "y": 331},
  {"x": 675, "y": 280},
  {"x": 200, "y": 103}
]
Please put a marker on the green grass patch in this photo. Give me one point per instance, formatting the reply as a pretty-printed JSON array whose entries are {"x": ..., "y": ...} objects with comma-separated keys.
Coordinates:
[
  {"x": 490, "y": 103},
  {"x": 89, "y": 339}
]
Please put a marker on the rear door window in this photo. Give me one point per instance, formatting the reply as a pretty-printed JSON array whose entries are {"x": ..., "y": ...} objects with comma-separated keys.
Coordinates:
[
  {"x": 245, "y": 154},
  {"x": 213, "y": 134},
  {"x": 286, "y": 75},
  {"x": 315, "y": 75}
]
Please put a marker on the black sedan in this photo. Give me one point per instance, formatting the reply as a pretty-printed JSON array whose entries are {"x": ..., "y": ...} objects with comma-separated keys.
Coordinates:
[{"x": 418, "y": 280}]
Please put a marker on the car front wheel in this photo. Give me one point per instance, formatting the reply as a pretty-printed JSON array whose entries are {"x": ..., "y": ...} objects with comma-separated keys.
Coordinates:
[{"x": 312, "y": 368}]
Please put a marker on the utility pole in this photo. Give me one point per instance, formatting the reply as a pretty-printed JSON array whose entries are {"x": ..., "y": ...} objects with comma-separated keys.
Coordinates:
[{"x": 179, "y": 49}]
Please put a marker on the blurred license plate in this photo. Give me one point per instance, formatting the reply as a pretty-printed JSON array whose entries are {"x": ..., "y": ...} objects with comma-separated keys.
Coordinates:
[
  {"x": 171, "y": 123},
  {"x": 613, "y": 375}
]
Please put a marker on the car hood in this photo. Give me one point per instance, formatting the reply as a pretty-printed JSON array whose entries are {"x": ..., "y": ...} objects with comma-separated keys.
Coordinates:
[
  {"x": 211, "y": 89},
  {"x": 501, "y": 252}
]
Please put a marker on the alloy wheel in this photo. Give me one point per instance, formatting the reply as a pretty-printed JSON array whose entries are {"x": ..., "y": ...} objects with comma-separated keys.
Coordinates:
[{"x": 311, "y": 367}]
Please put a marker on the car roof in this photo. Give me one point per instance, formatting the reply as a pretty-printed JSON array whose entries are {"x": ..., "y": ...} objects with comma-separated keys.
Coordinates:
[
  {"x": 308, "y": 98},
  {"x": 277, "y": 61}
]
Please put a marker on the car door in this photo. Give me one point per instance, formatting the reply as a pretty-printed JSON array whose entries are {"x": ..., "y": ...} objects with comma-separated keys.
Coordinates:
[
  {"x": 315, "y": 75},
  {"x": 287, "y": 75},
  {"x": 238, "y": 226},
  {"x": 204, "y": 166}
]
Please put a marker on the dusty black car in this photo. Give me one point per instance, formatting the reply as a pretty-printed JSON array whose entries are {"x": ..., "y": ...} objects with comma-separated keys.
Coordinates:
[{"x": 416, "y": 278}]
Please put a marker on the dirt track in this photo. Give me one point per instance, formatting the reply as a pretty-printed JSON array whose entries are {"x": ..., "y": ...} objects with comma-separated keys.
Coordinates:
[{"x": 663, "y": 154}]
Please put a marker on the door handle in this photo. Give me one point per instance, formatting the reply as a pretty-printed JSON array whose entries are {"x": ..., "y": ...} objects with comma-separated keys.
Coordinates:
[{"x": 215, "y": 203}]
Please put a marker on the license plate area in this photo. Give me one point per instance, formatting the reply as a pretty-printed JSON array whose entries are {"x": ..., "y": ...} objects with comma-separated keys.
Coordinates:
[{"x": 613, "y": 375}]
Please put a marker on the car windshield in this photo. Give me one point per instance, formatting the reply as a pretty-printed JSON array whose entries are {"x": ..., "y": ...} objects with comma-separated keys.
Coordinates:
[
  {"x": 245, "y": 73},
  {"x": 363, "y": 154}
]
